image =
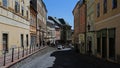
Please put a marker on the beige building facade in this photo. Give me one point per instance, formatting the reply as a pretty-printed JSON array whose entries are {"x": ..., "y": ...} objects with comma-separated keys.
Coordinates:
[
  {"x": 107, "y": 25},
  {"x": 14, "y": 24},
  {"x": 41, "y": 22}
]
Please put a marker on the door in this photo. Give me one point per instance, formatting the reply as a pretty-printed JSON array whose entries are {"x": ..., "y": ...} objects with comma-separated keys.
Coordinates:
[
  {"x": 104, "y": 47},
  {"x": 90, "y": 47},
  {"x": 22, "y": 40},
  {"x": 112, "y": 44},
  {"x": 104, "y": 43},
  {"x": 5, "y": 42}
]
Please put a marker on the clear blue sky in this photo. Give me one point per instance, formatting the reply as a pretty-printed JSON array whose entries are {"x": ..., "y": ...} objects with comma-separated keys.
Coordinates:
[{"x": 61, "y": 9}]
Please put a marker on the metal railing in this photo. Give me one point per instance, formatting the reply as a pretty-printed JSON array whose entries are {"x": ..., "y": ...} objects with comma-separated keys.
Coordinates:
[{"x": 17, "y": 53}]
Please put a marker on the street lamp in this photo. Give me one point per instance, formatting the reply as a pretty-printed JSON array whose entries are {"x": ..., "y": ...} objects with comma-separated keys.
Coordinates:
[
  {"x": 88, "y": 27},
  {"x": 39, "y": 36}
]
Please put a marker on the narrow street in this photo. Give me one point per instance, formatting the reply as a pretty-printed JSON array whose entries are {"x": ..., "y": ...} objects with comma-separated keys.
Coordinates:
[{"x": 66, "y": 58}]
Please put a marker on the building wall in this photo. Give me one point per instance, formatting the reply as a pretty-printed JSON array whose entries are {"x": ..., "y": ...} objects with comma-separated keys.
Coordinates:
[
  {"x": 76, "y": 22},
  {"x": 90, "y": 28},
  {"x": 14, "y": 24},
  {"x": 82, "y": 18},
  {"x": 58, "y": 33},
  {"x": 41, "y": 19},
  {"x": 33, "y": 22},
  {"x": 108, "y": 21}
]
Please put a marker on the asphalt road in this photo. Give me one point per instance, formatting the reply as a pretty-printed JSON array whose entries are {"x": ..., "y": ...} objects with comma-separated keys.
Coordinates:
[{"x": 67, "y": 59}]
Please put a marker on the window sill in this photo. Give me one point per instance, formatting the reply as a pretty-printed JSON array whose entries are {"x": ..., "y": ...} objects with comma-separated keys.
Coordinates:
[{"x": 11, "y": 9}]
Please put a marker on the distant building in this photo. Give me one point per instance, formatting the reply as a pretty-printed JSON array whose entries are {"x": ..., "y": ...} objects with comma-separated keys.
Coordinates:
[
  {"x": 14, "y": 24},
  {"x": 51, "y": 35},
  {"x": 63, "y": 30},
  {"x": 79, "y": 13},
  {"x": 57, "y": 25},
  {"x": 107, "y": 27},
  {"x": 66, "y": 31}
]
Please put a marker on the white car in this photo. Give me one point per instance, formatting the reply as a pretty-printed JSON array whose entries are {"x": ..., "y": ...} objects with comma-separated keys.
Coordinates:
[{"x": 59, "y": 46}]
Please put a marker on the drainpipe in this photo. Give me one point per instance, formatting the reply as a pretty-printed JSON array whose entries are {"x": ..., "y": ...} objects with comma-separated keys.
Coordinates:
[{"x": 85, "y": 25}]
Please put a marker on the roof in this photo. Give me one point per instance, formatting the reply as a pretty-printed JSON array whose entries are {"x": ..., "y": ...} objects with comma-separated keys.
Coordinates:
[
  {"x": 55, "y": 20},
  {"x": 44, "y": 6},
  {"x": 50, "y": 21},
  {"x": 75, "y": 6},
  {"x": 80, "y": 2},
  {"x": 63, "y": 22}
]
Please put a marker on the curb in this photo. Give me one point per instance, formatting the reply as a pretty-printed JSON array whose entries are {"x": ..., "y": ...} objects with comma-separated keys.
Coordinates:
[{"x": 16, "y": 61}]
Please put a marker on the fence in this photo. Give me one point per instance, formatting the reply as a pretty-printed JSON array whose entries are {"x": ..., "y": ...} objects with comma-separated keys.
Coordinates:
[{"x": 15, "y": 54}]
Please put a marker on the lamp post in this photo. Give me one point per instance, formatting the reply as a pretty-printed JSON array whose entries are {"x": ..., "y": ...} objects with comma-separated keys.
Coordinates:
[{"x": 39, "y": 36}]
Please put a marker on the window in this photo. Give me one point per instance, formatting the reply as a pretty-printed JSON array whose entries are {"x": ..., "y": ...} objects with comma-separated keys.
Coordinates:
[
  {"x": 4, "y": 3},
  {"x": 5, "y": 42},
  {"x": 22, "y": 10},
  {"x": 17, "y": 7},
  {"x": 105, "y": 6},
  {"x": 98, "y": 9},
  {"x": 22, "y": 40},
  {"x": 27, "y": 40},
  {"x": 114, "y": 4}
]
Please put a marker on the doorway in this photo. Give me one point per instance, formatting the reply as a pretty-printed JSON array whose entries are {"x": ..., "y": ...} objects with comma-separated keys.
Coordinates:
[
  {"x": 104, "y": 43},
  {"x": 104, "y": 47},
  {"x": 112, "y": 44}
]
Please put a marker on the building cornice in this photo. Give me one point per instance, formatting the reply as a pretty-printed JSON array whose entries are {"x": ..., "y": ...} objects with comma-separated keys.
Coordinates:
[
  {"x": 107, "y": 19},
  {"x": 14, "y": 22}
]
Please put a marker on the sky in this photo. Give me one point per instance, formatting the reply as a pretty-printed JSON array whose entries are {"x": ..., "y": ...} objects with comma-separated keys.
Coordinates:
[{"x": 61, "y": 9}]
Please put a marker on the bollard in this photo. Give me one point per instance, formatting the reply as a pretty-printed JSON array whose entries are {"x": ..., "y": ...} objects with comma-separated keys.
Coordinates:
[
  {"x": 26, "y": 50},
  {"x": 29, "y": 49},
  {"x": 4, "y": 57},
  {"x": 18, "y": 52},
  {"x": 12, "y": 55},
  {"x": 23, "y": 52}
]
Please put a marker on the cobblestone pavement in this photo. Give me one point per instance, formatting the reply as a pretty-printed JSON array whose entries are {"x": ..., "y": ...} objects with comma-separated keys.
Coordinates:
[
  {"x": 52, "y": 58},
  {"x": 34, "y": 60}
]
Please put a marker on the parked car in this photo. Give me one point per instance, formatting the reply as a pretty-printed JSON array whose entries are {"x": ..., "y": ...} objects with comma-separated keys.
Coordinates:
[{"x": 59, "y": 46}]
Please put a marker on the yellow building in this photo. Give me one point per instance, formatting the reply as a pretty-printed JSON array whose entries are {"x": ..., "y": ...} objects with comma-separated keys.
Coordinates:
[
  {"x": 107, "y": 26},
  {"x": 14, "y": 24}
]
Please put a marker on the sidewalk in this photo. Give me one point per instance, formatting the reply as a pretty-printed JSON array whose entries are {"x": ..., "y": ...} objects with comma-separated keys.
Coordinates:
[{"x": 18, "y": 55}]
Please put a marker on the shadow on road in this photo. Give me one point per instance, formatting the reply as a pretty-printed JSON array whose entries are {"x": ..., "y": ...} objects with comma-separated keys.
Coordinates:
[{"x": 70, "y": 59}]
